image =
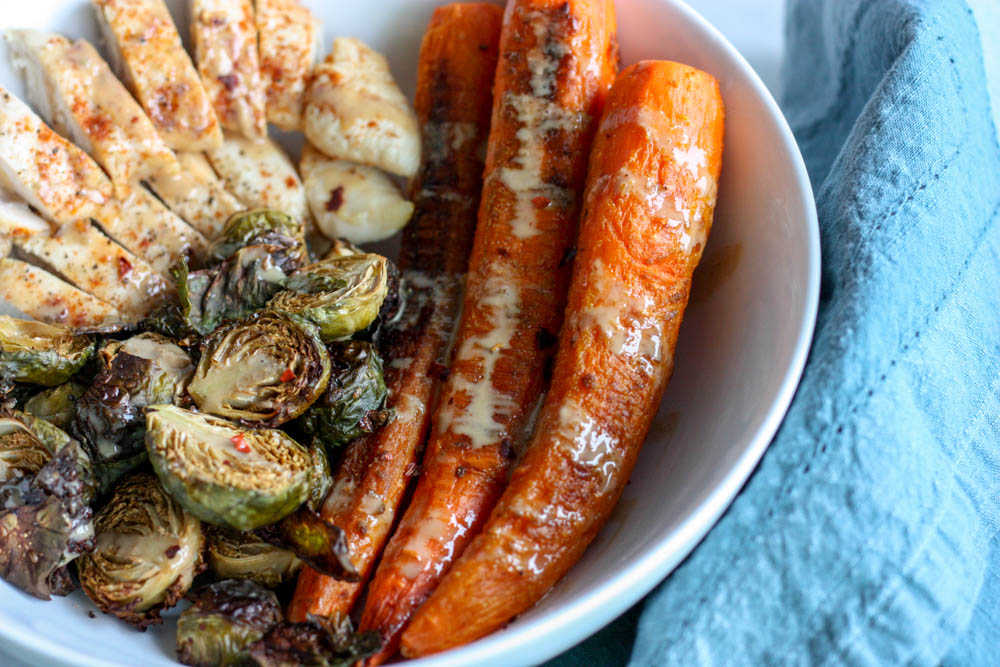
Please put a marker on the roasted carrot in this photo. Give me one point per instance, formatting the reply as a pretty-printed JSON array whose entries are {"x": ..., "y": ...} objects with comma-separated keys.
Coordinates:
[
  {"x": 648, "y": 210},
  {"x": 557, "y": 60},
  {"x": 454, "y": 75}
]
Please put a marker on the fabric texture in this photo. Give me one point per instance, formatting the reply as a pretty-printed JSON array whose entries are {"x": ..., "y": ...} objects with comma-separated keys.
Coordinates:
[{"x": 870, "y": 531}]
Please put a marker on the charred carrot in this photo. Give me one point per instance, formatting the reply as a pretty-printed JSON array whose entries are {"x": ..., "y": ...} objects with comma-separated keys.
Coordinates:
[
  {"x": 648, "y": 210},
  {"x": 557, "y": 60},
  {"x": 456, "y": 65}
]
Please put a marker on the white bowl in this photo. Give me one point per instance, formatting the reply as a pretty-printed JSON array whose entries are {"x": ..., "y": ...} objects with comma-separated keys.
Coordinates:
[{"x": 741, "y": 351}]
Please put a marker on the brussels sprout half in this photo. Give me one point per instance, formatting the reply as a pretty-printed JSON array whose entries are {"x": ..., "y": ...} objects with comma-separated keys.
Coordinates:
[
  {"x": 341, "y": 295},
  {"x": 148, "y": 552},
  {"x": 247, "y": 228},
  {"x": 233, "y": 555},
  {"x": 263, "y": 370},
  {"x": 45, "y": 522},
  {"x": 56, "y": 405},
  {"x": 144, "y": 370},
  {"x": 22, "y": 454},
  {"x": 353, "y": 401},
  {"x": 321, "y": 642},
  {"x": 45, "y": 354},
  {"x": 223, "y": 620},
  {"x": 228, "y": 476}
]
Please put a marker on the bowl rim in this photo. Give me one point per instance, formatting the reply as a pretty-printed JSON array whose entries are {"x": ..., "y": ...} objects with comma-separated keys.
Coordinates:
[{"x": 551, "y": 634}]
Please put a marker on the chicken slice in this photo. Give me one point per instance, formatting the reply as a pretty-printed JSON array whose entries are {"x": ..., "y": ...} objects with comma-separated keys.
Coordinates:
[
  {"x": 45, "y": 170},
  {"x": 76, "y": 93},
  {"x": 40, "y": 295},
  {"x": 196, "y": 194},
  {"x": 86, "y": 258},
  {"x": 261, "y": 175},
  {"x": 141, "y": 223},
  {"x": 288, "y": 41},
  {"x": 352, "y": 201},
  {"x": 148, "y": 54},
  {"x": 225, "y": 46},
  {"x": 355, "y": 111}
]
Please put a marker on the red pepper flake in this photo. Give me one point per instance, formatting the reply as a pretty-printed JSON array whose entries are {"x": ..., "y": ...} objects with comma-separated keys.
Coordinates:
[
  {"x": 336, "y": 199},
  {"x": 240, "y": 444},
  {"x": 540, "y": 202},
  {"x": 288, "y": 375},
  {"x": 124, "y": 268},
  {"x": 290, "y": 182}
]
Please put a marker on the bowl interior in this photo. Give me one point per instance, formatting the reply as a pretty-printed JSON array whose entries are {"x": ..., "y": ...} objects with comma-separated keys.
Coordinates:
[{"x": 739, "y": 358}]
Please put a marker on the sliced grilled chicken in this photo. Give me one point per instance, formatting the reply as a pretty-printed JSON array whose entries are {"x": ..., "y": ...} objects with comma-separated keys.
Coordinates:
[
  {"x": 196, "y": 194},
  {"x": 45, "y": 170},
  {"x": 86, "y": 258},
  {"x": 141, "y": 223},
  {"x": 225, "y": 46},
  {"x": 261, "y": 175},
  {"x": 355, "y": 111},
  {"x": 288, "y": 41},
  {"x": 147, "y": 52},
  {"x": 76, "y": 93},
  {"x": 42, "y": 296},
  {"x": 350, "y": 200}
]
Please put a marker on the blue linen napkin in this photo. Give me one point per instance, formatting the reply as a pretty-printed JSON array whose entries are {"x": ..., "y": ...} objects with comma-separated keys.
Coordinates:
[{"x": 870, "y": 531}]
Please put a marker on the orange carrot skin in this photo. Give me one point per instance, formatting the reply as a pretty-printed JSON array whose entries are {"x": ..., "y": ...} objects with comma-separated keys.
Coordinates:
[
  {"x": 648, "y": 210},
  {"x": 454, "y": 76},
  {"x": 557, "y": 60}
]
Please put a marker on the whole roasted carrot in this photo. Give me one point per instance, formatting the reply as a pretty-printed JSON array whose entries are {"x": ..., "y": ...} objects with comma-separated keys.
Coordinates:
[
  {"x": 557, "y": 60},
  {"x": 456, "y": 65},
  {"x": 648, "y": 210}
]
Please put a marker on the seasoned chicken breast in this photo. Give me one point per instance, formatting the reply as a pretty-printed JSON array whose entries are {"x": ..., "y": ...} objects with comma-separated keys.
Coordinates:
[
  {"x": 141, "y": 223},
  {"x": 355, "y": 111},
  {"x": 86, "y": 258},
  {"x": 75, "y": 91},
  {"x": 40, "y": 295},
  {"x": 150, "y": 58},
  {"x": 288, "y": 41},
  {"x": 352, "y": 201},
  {"x": 225, "y": 46},
  {"x": 261, "y": 175},
  {"x": 196, "y": 194},
  {"x": 48, "y": 172}
]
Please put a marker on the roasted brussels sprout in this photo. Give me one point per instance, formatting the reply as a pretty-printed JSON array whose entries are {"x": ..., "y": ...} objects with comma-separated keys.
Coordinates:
[
  {"x": 340, "y": 295},
  {"x": 233, "y": 555},
  {"x": 227, "y": 476},
  {"x": 353, "y": 401},
  {"x": 223, "y": 620},
  {"x": 57, "y": 405},
  {"x": 256, "y": 226},
  {"x": 262, "y": 370},
  {"x": 238, "y": 286},
  {"x": 320, "y": 642},
  {"x": 45, "y": 522},
  {"x": 45, "y": 354},
  {"x": 319, "y": 543},
  {"x": 145, "y": 370},
  {"x": 22, "y": 454},
  {"x": 148, "y": 552}
]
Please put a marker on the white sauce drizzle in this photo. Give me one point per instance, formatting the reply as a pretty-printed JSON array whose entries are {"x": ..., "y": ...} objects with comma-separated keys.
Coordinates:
[{"x": 588, "y": 444}]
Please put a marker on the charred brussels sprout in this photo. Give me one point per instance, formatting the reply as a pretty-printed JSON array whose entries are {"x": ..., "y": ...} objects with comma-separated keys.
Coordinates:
[
  {"x": 148, "y": 552},
  {"x": 233, "y": 555},
  {"x": 57, "y": 405},
  {"x": 45, "y": 354},
  {"x": 322, "y": 545},
  {"x": 320, "y": 642},
  {"x": 22, "y": 454},
  {"x": 235, "y": 288},
  {"x": 45, "y": 522},
  {"x": 145, "y": 370},
  {"x": 261, "y": 371},
  {"x": 227, "y": 476},
  {"x": 353, "y": 401},
  {"x": 223, "y": 620},
  {"x": 340, "y": 295},
  {"x": 259, "y": 225}
]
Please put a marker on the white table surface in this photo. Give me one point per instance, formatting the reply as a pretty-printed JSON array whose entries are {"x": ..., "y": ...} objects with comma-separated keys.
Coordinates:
[{"x": 753, "y": 26}]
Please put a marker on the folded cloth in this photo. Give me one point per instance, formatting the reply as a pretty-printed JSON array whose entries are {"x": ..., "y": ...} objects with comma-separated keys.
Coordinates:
[{"x": 870, "y": 531}]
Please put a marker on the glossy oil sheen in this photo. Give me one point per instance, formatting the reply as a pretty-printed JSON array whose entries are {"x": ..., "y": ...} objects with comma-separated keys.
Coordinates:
[{"x": 741, "y": 350}]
